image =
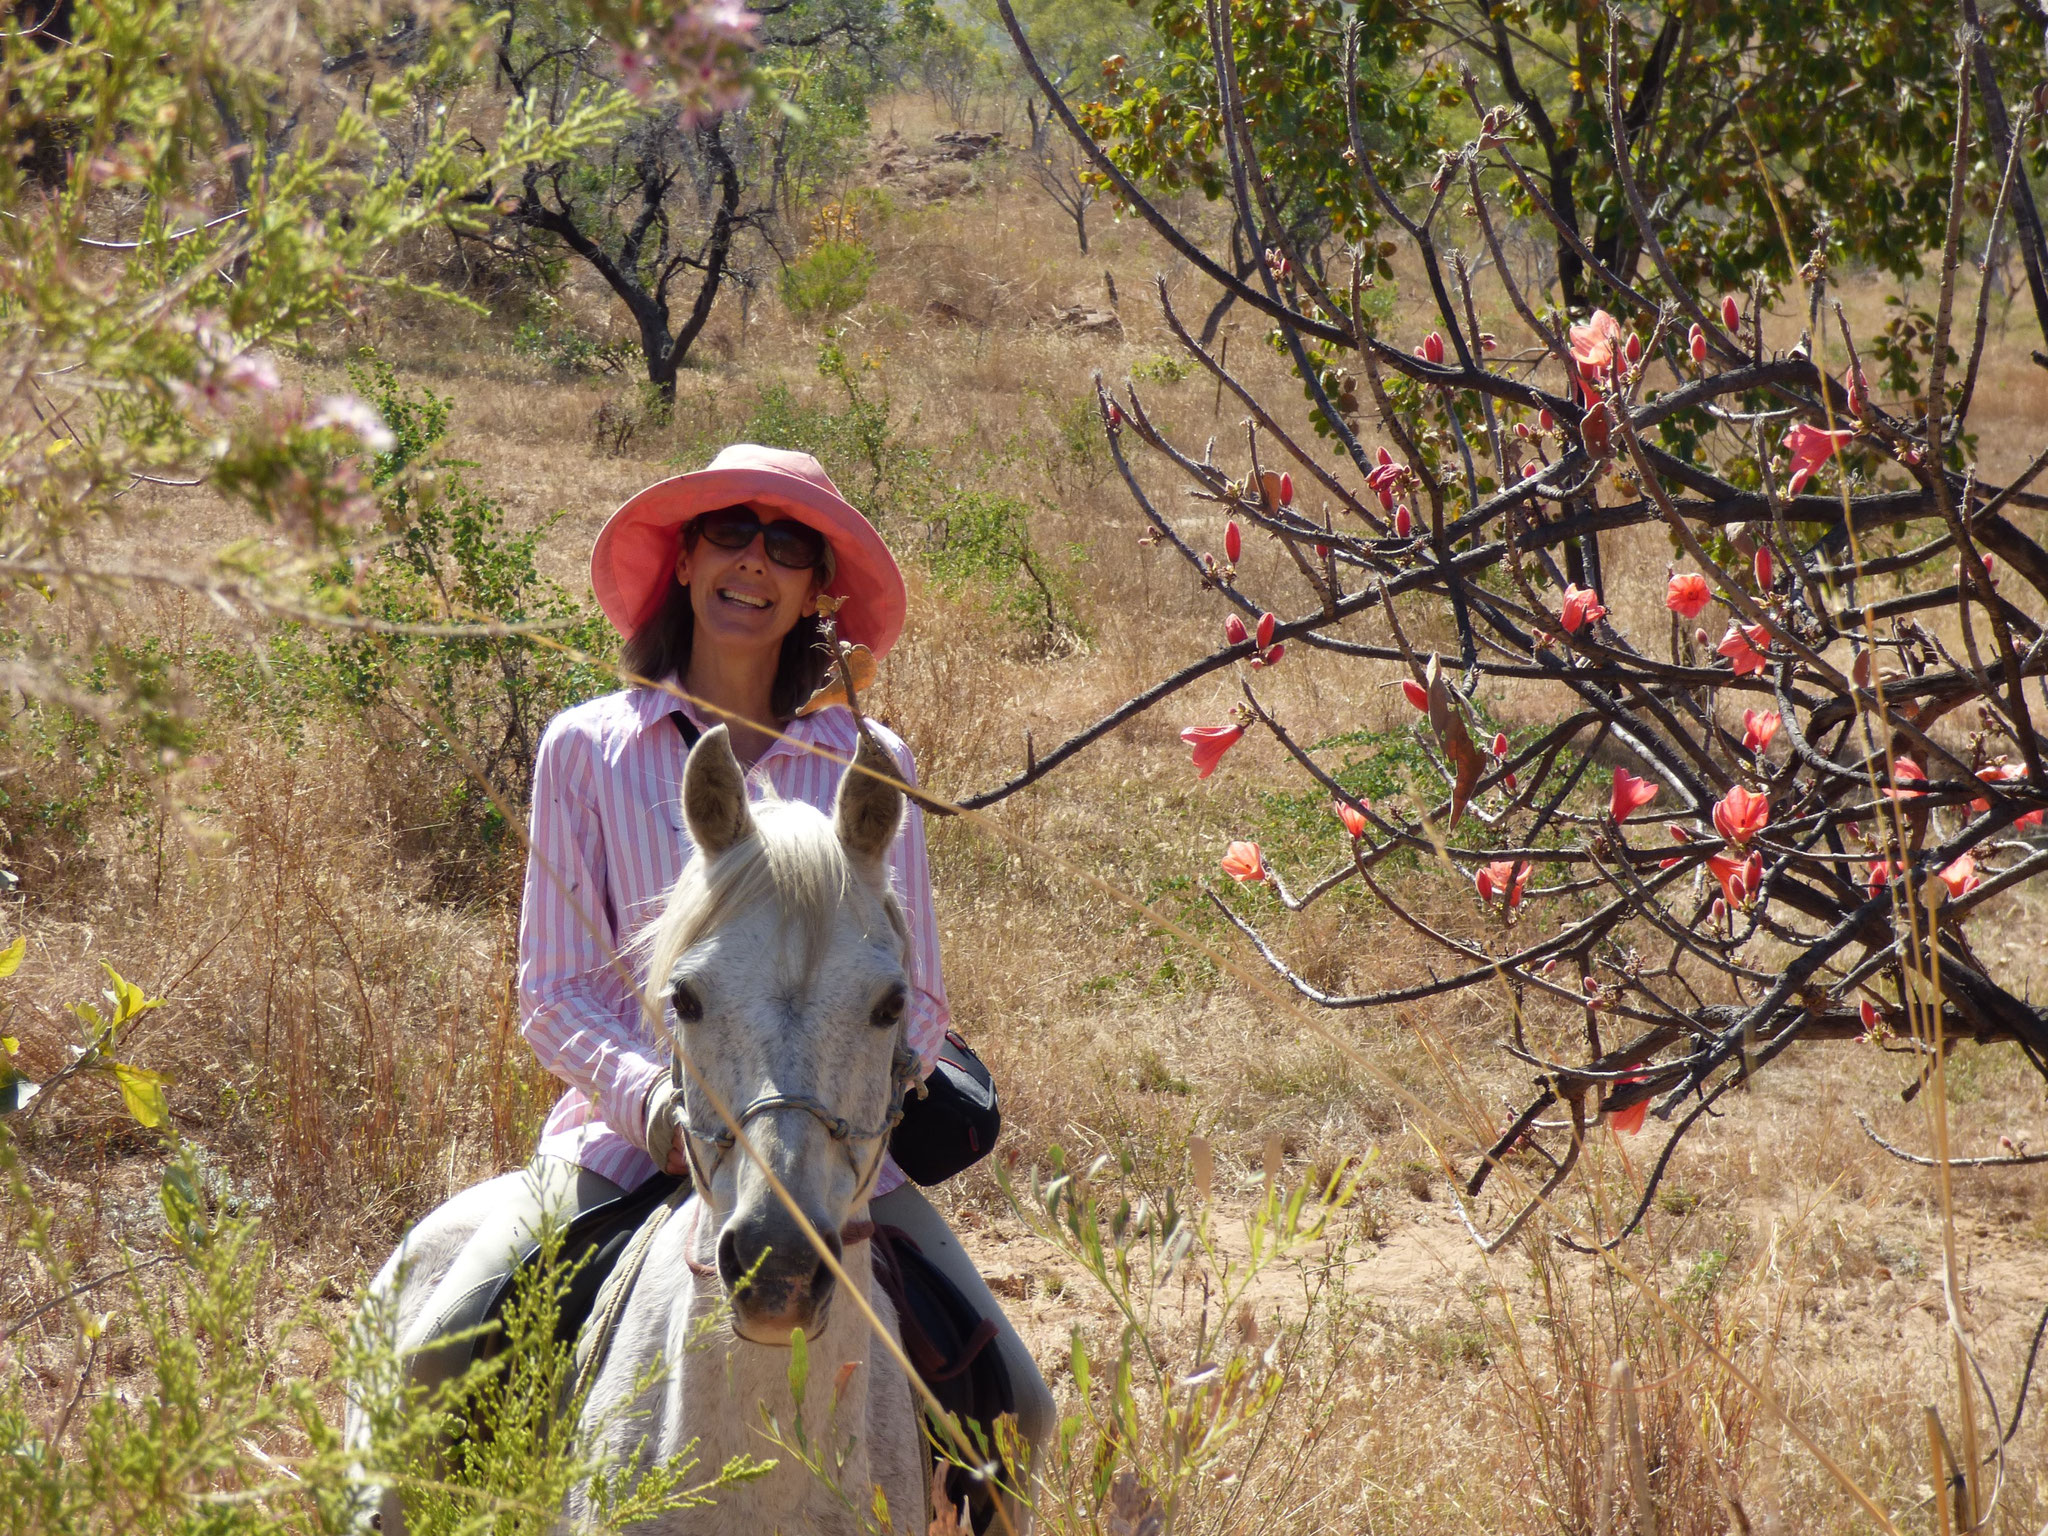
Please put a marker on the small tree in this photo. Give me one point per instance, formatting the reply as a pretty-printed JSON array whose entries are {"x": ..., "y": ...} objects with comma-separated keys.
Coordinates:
[{"x": 661, "y": 211}]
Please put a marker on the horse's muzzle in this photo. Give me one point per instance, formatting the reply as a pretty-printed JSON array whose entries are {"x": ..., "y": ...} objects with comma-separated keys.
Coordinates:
[{"x": 777, "y": 1279}]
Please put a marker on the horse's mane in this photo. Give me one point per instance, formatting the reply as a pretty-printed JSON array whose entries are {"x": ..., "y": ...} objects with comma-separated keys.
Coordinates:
[{"x": 794, "y": 859}]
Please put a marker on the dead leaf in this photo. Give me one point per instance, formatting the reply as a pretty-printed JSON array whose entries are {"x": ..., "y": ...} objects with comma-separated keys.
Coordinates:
[
  {"x": 946, "y": 1520},
  {"x": 1269, "y": 489},
  {"x": 1448, "y": 721},
  {"x": 833, "y": 691}
]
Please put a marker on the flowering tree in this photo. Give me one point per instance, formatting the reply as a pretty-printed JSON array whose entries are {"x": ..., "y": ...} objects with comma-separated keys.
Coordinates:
[{"x": 1756, "y": 827}]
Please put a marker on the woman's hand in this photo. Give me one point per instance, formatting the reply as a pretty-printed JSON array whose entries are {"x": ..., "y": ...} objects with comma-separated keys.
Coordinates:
[{"x": 664, "y": 1140}]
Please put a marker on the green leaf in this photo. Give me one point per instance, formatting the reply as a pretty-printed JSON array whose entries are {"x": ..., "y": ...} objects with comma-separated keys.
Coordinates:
[
  {"x": 799, "y": 1366},
  {"x": 143, "y": 1092},
  {"x": 127, "y": 998},
  {"x": 10, "y": 957}
]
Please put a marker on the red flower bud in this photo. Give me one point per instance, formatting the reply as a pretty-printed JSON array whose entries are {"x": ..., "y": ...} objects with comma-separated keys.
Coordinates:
[
  {"x": 1763, "y": 568},
  {"x": 1286, "y": 490},
  {"x": 1544, "y": 420},
  {"x": 1273, "y": 656},
  {"x": 1233, "y": 541},
  {"x": 1433, "y": 347},
  {"x": 1500, "y": 744},
  {"x": 1731, "y": 313},
  {"x": 1265, "y": 630},
  {"x": 1116, "y": 416},
  {"x": 1404, "y": 523},
  {"x": 1233, "y": 631},
  {"x": 1415, "y": 693},
  {"x": 1634, "y": 347},
  {"x": 1697, "y": 341},
  {"x": 1522, "y": 430}
]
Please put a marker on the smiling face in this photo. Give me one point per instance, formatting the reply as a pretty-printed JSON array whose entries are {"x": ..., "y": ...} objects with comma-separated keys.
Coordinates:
[{"x": 743, "y": 601}]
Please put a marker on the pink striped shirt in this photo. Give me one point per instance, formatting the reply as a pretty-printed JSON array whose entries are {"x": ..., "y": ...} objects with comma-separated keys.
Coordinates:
[{"x": 608, "y": 841}]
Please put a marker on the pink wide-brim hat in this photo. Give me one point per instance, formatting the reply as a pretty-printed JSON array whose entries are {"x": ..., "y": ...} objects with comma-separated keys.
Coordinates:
[{"x": 635, "y": 555}]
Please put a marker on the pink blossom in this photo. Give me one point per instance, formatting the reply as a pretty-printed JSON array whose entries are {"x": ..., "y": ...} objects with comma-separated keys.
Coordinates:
[
  {"x": 1740, "y": 814},
  {"x": 1354, "y": 820},
  {"x": 1581, "y": 606},
  {"x": 1630, "y": 794},
  {"x": 1810, "y": 447},
  {"x": 1210, "y": 743},
  {"x": 355, "y": 416},
  {"x": 1758, "y": 727},
  {"x": 1686, "y": 594},
  {"x": 1244, "y": 862},
  {"x": 1745, "y": 648}
]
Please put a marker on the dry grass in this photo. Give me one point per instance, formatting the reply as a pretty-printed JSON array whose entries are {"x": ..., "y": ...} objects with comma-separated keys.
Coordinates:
[{"x": 342, "y": 1041}]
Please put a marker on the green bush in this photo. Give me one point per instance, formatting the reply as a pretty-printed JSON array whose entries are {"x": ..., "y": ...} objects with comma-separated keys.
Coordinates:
[{"x": 829, "y": 279}]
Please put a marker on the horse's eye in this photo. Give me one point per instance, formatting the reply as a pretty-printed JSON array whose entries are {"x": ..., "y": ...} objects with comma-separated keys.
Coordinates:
[
  {"x": 688, "y": 1006},
  {"x": 888, "y": 1013}
]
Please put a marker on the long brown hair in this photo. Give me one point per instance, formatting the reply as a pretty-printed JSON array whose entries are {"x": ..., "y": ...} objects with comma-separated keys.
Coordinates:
[{"x": 660, "y": 649}]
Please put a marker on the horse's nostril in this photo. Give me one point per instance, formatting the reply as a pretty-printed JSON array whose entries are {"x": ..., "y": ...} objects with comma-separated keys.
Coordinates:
[
  {"x": 729, "y": 1267},
  {"x": 822, "y": 1281}
]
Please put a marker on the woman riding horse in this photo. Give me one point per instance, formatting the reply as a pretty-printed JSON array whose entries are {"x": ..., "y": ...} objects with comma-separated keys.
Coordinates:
[{"x": 719, "y": 581}]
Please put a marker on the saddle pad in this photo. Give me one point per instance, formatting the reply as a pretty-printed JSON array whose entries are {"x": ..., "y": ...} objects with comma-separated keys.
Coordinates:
[
  {"x": 948, "y": 1341},
  {"x": 592, "y": 1245}
]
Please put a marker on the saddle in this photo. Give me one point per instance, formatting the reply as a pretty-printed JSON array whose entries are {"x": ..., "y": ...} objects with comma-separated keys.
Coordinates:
[{"x": 944, "y": 1335}]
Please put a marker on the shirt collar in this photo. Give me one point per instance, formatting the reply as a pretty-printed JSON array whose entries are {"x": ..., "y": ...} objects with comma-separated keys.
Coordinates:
[{"x": 829, "y": 728}]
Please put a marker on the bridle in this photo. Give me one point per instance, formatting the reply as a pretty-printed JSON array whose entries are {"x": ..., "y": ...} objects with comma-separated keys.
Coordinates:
[{"x": 904, "y": 1078}]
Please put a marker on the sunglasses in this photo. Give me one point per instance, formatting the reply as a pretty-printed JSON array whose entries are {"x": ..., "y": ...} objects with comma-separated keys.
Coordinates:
[{"x": 793, "y": 545}]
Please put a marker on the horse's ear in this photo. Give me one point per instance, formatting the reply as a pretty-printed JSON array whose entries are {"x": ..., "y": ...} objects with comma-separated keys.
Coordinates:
[
  {"x": 869, "y": 809},
  {"x": 715, "y": 795}
]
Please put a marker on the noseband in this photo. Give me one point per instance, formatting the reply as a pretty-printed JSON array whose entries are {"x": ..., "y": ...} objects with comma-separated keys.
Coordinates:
[{"x": 905, "y": 1077}]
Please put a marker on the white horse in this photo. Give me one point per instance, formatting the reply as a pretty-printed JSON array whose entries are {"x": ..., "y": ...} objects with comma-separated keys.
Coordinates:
[{"x": 778, "y": 965}]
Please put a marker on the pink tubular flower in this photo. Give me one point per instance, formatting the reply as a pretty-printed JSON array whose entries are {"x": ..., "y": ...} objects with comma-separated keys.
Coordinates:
[
  {"x": 1739, "y": 878},
  {"x": 1233, "y": 541},
  {"x": 1210, "y": 743},
  {"x": 2006, "y": 773},
  {"x": 1503, "y": 879},
  {"x": 1686, "y": 594},
  {"x": 1810, "y": 448},
  {"x": 1740, "y": 814},
  {"x": 1758, "y": 727},
  {"x": 1354, "y": 821},
  {"x": 1243, "y": 862},
  {"x": 1905, "y": 774},
  {"x": 1629, "y": 1121},
  {"x": 1961, "y": 876},
  {"x": 1234, "y": 631},
  {"x": 1593, "y": 346},
  {"x": 1629, "y": 795},
  {"x": 1581, "y": 606},
  {"x": 1415, "y": 693},
  {"x": 1745, "y": 648}
]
